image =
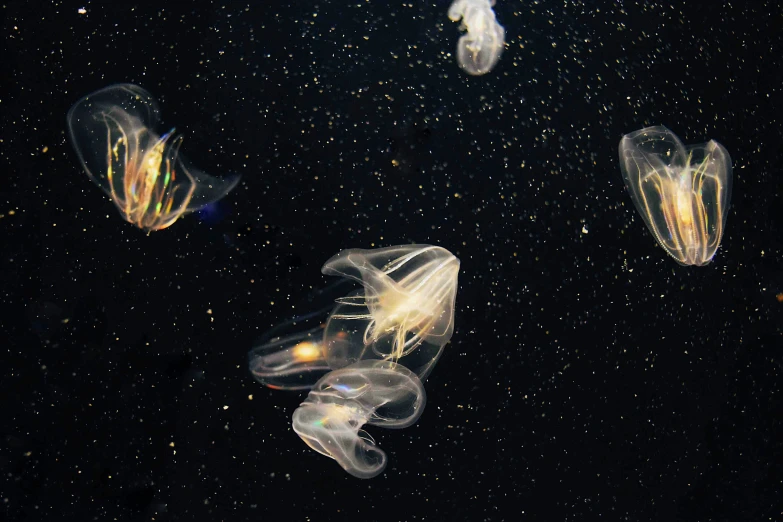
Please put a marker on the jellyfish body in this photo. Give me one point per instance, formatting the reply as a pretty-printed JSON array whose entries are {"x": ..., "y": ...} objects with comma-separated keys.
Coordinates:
[
  {"x": 404, "y": 311},
  {"x": 682, "y": 193},
  {"x": 146, "y": 176},
  {"x": 377, "y": 346},
  {"x": 478, "y": 50}
]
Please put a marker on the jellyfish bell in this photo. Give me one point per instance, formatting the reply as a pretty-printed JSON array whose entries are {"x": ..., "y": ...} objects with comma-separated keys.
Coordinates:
[
  {"x": 681, "y": 192},
  {"x": 479, "y": 49},
  {"x": 368, "y": 392},
  {"x": 404, "y": 311},
  {"x": 145, "y": 174}
]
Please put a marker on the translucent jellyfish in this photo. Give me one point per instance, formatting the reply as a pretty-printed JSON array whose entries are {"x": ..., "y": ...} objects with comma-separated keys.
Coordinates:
[
  {"x": 290, "y": 356},
  {"x": 682, "y": 193},
  {"x": 150, "y": 182},
  {"x": 378, "y": 393},
  {"x": 293, "y": 362},
  {"x": 479, "y": 49},
  {"x": 404, "y": 311},
  {"x": 379, "y": 342}
]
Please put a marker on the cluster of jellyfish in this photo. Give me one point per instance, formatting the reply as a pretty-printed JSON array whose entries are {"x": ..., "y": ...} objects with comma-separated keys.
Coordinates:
[
  {"x": 682, "y": 192},
  {"x": 365, "y": 364}
]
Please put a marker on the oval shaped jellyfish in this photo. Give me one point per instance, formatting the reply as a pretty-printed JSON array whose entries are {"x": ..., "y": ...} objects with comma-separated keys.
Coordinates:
[
  {"x": 479, "y": 49},
  {"x": 404, "y": 312},
  {"x": 150, "y": 182},
  {"x": 681, "y": 192},
  {"x": 379, "y": 393}
]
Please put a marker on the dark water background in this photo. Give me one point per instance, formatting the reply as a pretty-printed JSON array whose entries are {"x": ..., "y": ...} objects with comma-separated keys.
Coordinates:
[{"x": 589, "y": 377}]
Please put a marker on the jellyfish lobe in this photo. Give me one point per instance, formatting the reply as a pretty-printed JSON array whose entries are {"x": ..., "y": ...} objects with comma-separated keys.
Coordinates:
[{"x": 378, "y": 393}]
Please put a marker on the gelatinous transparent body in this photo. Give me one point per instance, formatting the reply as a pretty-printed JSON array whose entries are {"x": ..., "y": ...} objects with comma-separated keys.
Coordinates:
[
  {"x": 681, "y": 192},
  {"x": 292, "y": 362},
  {"x": 405, "y": 311},
  {"x": 380, "y": 342},
  {"x": 478, "y": 50},
  {"x": 150, "y": 182},
  {"x": 290, "y": 356},
  {"x": 379, "y": 393}
]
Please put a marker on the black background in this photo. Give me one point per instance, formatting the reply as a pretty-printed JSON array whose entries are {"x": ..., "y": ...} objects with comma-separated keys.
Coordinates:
[{"x": 589, "y": 377}]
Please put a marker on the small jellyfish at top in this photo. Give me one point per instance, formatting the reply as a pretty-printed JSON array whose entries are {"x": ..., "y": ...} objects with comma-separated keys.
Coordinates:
[
  {"x": 146, "y": 176},
  {"x": 478, "y": 50},
  {"x": 374, "y": 392},
  {"x": 404, "y": 311},
  {"x": 681, "y": 192}
]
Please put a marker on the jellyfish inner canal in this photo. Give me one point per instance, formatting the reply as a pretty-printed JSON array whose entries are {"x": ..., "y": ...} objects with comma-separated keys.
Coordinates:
[{"x": 306, "y": 351}]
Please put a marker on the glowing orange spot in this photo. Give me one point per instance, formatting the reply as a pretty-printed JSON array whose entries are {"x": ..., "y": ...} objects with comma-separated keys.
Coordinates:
[
  {"x": 779, "y": 297},
  {"x": 306, "y": 351}
]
